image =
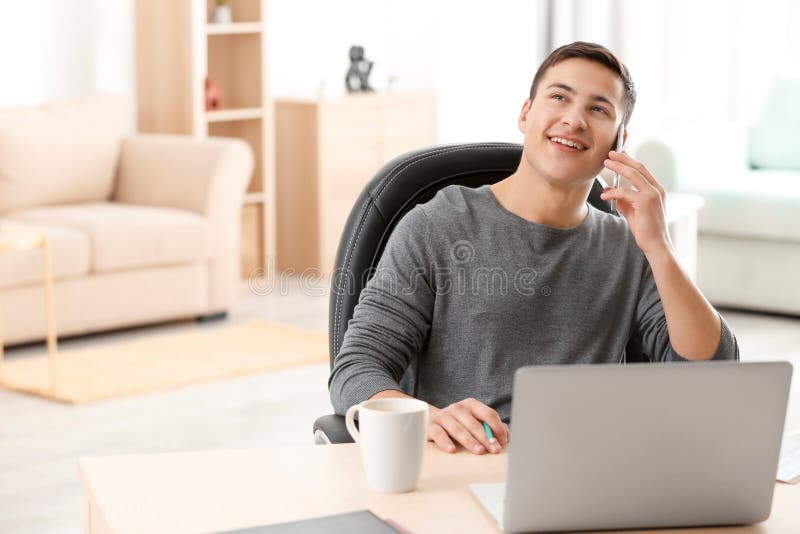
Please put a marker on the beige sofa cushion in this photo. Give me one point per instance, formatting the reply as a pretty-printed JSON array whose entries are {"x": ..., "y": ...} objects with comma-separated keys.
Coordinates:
[
  {"x": 69, "y": 252},
  {"x": 126, "y": 237},
  {"x": 61, "y": 152}
]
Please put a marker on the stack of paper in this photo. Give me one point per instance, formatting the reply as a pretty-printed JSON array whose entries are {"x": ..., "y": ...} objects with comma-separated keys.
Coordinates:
[{"x": 789, "y": 464}]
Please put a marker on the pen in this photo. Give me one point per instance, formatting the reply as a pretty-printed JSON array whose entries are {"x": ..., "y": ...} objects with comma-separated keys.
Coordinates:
[{"x": 488, "y": 431}]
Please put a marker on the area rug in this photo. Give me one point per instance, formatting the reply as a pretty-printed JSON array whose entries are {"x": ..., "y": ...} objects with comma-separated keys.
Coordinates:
[{"x": 166, "y": 361}]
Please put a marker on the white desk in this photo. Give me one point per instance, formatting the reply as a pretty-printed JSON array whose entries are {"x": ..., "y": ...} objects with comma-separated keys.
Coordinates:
[{"x": 223, "y": 490}]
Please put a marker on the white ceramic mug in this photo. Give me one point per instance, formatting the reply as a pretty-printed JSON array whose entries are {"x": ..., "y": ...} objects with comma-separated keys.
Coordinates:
[{"x": 391, "y": 434}]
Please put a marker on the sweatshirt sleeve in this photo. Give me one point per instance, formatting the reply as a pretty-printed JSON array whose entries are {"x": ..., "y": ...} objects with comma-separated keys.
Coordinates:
[
  {"x": 650, "y": 328},
  {"x": 391, "y": 321}
]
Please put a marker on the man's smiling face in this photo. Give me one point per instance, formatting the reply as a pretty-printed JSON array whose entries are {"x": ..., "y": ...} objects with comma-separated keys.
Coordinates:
[{"x": 572, "y": 122}]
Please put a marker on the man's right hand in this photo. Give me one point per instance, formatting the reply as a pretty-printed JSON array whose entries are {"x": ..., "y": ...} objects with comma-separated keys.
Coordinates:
[{"x": 463, "y": 422}]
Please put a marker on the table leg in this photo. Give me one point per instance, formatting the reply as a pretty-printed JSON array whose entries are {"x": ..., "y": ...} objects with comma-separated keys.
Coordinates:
[{"x": 52, "y": 347}]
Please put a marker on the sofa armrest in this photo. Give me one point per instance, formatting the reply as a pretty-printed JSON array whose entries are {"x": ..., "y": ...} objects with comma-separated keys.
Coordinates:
[
  {"x": 696, "y": 156},
  {"x": 205, "y": 176}
]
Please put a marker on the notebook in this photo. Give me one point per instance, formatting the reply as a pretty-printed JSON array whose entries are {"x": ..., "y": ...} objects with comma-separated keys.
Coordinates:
[{"x": 362, "y": 521}]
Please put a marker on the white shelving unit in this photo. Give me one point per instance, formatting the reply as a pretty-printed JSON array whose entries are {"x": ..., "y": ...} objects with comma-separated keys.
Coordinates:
[{"x": 177, "y": 46}]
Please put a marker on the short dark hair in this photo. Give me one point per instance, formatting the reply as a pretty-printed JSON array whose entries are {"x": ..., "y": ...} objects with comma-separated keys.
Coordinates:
[{"x": 593, "y": 52}]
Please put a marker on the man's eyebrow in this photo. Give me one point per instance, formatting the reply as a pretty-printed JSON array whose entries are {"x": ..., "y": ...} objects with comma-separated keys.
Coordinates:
[{"x": 569, "y": 89}]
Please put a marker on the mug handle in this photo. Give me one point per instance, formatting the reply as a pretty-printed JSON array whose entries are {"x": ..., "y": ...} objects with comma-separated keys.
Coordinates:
[{"x": 351, "y": 424}]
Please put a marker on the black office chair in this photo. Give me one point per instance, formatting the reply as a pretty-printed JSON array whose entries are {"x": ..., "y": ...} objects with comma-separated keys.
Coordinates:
[{"x": 401, "y": 184}]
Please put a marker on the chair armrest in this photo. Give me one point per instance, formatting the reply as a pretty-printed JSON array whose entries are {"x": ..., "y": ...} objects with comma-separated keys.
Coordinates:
[
  {"x": 206, "y": 176},
  {"x": 333, "y": 429}
]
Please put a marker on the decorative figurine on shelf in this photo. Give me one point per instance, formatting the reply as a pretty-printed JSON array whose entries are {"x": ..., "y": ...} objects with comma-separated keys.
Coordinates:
[
  {"x": 359, "y": 69},
  {"x": 213, "y": 95},
  {"x": 222, "y": 13}
]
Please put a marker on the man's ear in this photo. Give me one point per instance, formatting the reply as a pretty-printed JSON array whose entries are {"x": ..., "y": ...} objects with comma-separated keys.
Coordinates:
[{"x": 522, "y": 122}]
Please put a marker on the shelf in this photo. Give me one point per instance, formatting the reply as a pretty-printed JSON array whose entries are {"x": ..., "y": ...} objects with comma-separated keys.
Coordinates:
[
  {"x": 235, "y": 62},
  {"x": 234, "y": 28},
  {"x": 253, "y": 198},
  {"x": 179, "y": 49},
  {"x": 252, "y": 240},
  {"x": 239, "y": 114}
]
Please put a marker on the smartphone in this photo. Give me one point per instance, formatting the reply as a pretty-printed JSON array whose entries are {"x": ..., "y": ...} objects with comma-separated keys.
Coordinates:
[{"x": 620, "y": 146}]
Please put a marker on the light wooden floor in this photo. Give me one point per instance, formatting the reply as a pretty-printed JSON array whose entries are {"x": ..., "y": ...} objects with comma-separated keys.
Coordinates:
[{"x": 40, "y": 441}]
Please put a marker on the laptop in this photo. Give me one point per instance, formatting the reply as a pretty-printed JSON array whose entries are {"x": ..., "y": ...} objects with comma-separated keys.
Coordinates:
[{"x": 596, "y": 447}]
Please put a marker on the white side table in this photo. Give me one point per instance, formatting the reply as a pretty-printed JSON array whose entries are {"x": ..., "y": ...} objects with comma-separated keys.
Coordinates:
[
  {"x": 16, "y": 237},
  {"x": 682, "y": 211}
]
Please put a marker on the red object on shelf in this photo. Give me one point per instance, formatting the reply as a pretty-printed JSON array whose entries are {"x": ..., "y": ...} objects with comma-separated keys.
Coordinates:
[{"x": 213, "y": 95}]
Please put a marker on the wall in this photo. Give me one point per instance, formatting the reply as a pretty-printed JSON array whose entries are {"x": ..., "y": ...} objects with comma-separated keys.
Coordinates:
[
  {"x": 478, "y": 57},
  {"x": 480, "y": 60},
  {"x": 691, "y": 60},
  {"x": 51, "y": 49}
]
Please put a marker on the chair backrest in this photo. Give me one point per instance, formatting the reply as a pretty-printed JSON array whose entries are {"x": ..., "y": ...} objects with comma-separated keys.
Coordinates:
[{"x": 410, "y": 179}]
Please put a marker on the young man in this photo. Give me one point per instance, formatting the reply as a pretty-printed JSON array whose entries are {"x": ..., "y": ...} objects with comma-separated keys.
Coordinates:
[{"x": 479, "y": 282}]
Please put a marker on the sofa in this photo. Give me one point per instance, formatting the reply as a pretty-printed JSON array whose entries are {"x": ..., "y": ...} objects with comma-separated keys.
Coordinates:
[
  {"x": 142, "y": 228},
  {"x": 748, "y": 253}
]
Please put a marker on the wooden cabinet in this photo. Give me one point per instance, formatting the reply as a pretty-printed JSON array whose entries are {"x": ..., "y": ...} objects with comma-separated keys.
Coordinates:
[
  {"x": 177, "y": 46},
  {"x": 326, "y": 151}
]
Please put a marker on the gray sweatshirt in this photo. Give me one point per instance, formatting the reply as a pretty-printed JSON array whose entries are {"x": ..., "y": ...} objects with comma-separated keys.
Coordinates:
[{"x": 466, "y": 292}]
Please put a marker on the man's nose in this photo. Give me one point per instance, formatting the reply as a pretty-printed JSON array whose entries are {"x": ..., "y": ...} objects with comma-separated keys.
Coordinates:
[{"x": 574, "y": 119}]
